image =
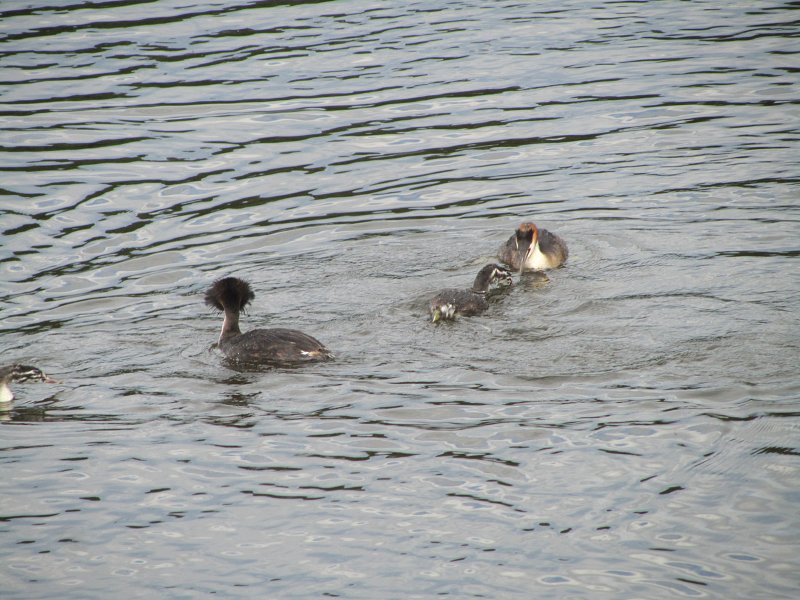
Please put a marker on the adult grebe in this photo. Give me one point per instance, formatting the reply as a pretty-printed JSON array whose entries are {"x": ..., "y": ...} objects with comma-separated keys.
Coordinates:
[
  {"x": 19, "y": 374},
  {"x": 231, "y": 295},
  {"x": 533, "y": 248},
  {"x": 451, "y": 302}
]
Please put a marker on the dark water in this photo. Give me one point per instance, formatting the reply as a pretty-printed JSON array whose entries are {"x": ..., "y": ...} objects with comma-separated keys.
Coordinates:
[{"x": 626, "y": 429}]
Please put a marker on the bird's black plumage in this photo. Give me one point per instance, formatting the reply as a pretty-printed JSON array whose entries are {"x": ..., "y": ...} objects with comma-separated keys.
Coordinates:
[
  {"x": 279, "y": 345},
  {"x": 230, "y": 292}
]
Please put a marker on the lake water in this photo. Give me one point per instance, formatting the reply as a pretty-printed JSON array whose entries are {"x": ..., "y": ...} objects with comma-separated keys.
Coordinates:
[{"x": 627, "y": 427}]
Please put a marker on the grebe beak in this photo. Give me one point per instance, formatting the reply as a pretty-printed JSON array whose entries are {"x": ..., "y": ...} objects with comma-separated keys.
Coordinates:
[
  {"x": 437, "y": 315},
  {"x": 528, "y": 246},
  {"x": 524, "y": 253},
  {"x": 48, "y": 379}
]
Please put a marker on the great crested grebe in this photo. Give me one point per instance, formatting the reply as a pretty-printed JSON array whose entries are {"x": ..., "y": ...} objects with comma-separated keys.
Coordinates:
[
  {"x": 451, "y": 302},
  {"x": 19, "y": 374},
  {"x": 533, "y": 248},
  {"x": 278, "y": 345}
]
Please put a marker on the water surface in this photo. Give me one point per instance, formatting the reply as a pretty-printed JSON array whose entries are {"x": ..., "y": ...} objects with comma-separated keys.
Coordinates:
[{"x": 625, "y": 428}]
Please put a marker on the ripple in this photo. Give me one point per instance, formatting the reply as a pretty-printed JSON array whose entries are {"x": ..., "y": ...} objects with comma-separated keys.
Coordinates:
[{"x": 632, "y": 413}]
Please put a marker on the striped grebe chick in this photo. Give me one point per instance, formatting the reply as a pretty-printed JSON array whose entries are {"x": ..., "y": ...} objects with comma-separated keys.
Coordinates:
[
  {"x": 451, "y": 302},
  {"x": 19, "y": 374},
  {"x": 533, "y": 248},
  {"x": 230, "y": 295}
]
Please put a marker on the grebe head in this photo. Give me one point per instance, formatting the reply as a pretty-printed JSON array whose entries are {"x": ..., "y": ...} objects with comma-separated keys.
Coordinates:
[
  {"x": 19, "y": 374},
  {"x": 24, "y": 373},
  {"x": 526, "y": 238},
  {"x": 229, "y": 293},
  {"x": 491, "y": 274}
]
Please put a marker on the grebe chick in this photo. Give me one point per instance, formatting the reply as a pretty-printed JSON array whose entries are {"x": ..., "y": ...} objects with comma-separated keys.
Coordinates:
[
  {"x": 533, "y": 248},
  {"x": 19, "y": 374},
  {"x": 451, "y": 302},
  {"x": 230, "y": 295}
]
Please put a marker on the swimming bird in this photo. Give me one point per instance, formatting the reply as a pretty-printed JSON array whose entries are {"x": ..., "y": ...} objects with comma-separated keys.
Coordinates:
[
  {"x": 451, "y": 302},
  {"x": 533, "y": 248},
  {"x": 19, "y": 374},
  {"x": 230, "y": 295}
]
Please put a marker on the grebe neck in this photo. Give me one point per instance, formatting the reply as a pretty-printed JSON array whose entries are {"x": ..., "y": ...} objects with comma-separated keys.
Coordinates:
[
  {"x": 6, "y": 395},
  {"x": 230, "y": 326}
]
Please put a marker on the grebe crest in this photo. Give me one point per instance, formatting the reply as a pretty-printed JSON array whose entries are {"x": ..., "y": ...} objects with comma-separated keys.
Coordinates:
[{"x": 229, "y": 292}]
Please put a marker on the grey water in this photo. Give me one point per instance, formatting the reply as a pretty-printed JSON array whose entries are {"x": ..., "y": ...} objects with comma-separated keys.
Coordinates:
[{"x": 626, "y": 426}]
